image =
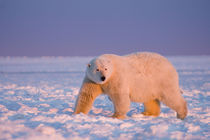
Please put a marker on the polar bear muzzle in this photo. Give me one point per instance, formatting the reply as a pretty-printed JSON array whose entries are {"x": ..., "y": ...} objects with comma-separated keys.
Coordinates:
[{"x": 103, "y": 78}]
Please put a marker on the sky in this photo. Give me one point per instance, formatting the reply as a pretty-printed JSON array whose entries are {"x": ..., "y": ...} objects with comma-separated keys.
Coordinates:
[{"x": 93, "y": 27}]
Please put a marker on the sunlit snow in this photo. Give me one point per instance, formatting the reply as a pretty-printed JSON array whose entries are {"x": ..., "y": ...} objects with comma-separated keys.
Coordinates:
[{"x": 37, "y": 97}]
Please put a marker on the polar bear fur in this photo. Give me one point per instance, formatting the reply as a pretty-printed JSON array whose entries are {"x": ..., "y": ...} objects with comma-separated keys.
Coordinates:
[{"x": 145, "y": 77}]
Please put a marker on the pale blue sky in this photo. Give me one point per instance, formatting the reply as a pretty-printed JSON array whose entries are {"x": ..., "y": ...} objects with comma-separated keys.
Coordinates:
[{"x": 94, "y": 27}]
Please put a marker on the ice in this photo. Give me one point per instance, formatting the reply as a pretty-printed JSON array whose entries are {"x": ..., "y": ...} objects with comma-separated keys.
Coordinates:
[{"x": 37, "y": 97}]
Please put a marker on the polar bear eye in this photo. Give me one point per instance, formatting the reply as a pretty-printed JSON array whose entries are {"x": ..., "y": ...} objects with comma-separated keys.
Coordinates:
[
  {"x": 89, "y": 65},
  {"x": 97, "y": 69},
  {"x": 105, "y": 68}
]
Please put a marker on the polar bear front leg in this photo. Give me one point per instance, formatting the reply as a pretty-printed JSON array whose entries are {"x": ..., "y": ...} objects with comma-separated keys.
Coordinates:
[
  {"x": 87, "y": 94},
  {"x": 121, "y": 105}
]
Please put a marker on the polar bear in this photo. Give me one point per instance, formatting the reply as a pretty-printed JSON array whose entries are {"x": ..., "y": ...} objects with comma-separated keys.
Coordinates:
[{"x": 142, "y": 77}]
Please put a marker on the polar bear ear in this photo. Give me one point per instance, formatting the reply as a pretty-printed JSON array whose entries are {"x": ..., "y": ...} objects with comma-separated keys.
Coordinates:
[{"x": 88, "y": 65}]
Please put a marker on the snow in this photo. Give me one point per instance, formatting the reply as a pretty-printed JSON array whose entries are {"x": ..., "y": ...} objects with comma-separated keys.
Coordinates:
[{"x": 37, "y": 97}]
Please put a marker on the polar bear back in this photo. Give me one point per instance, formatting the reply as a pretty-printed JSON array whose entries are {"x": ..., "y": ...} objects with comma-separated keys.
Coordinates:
[
  {"x": 150, "y": 63},
  {"x": 149, "y": 75}
]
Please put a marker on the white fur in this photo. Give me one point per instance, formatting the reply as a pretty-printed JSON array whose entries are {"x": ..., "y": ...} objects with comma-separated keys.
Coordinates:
[
  {"x": 98, "y": 68},
  {"x": 138, "y": 77}
]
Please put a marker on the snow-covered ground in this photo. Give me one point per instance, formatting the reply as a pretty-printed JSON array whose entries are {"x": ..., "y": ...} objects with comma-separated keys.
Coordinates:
[{"x": 37, "y": 97}]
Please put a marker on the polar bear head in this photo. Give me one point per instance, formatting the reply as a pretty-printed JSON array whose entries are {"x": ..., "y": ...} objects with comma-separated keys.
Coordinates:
[{"x": 99, "y": 70}]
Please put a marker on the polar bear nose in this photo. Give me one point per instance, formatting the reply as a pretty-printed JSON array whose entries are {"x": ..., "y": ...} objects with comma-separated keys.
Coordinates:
[{"x": 103, "y": 78}]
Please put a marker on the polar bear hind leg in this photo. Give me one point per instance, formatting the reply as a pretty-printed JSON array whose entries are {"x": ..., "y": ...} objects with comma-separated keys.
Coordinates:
[
  {"x": 152, "y": 108},
  {"x": 175, "y": 101}
]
